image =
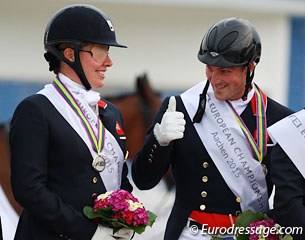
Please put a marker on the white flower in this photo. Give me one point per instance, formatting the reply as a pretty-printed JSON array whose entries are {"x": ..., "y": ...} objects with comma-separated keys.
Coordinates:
[
  {"x": 260, "y": 231},
  {"x": 104, "y": 195},
  {"x": 134, "y": 205}
]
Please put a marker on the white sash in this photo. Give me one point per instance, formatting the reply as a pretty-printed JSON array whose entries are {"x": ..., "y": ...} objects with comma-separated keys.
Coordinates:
[
  {"x": 290, "y": 135},
  {"x": 112, "y": 153},
  {"x": 226, "y": 144},
  {"x": 9, "y": 218}
]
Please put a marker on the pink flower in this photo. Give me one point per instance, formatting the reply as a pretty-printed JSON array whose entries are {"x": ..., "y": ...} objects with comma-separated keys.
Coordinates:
[
  {"x": 120, "y": 209},
  {"x": 125, "y": 207},
  {"x": 264, "y": 229}
]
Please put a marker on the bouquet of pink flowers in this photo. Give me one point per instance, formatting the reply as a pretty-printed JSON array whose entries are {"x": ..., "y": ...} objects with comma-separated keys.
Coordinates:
[
  {"x": 258, "y": 226},
  {"x": 120, "y": 209}
]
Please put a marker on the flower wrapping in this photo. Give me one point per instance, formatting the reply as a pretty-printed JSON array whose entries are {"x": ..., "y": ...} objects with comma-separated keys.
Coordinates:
[{"x": 120, "y": 209}]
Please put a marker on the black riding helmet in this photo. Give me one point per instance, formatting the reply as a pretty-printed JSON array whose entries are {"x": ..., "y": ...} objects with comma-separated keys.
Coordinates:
[
  {"x": 76, "y": 25},
  {"x": 231, "y": 42}
]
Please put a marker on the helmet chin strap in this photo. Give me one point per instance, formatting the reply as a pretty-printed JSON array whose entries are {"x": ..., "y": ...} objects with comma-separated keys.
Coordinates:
[
  {"x": 248, "y": 85},
  {"x": 202, "y": 103},
  {"x": 76, "y": 65}
]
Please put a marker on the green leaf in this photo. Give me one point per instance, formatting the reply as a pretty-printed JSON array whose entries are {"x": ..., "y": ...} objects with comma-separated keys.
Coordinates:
[
  {"x": 88, "y": 211},
  {"x": 104, "y": 216},
  {"x": 152, "y": 218},
  {"x": 245, "y": 218}
]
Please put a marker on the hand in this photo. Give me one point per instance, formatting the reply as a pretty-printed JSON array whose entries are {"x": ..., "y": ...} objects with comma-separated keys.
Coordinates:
[
  {"x": 124, "y": 234},
  {"x": 172, "y": 125},
  {"x": 105, "y": 233}
]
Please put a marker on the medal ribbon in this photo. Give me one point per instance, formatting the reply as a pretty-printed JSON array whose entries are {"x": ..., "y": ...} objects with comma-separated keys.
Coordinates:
[
  {"x": 96, "y": 141},
  {"x": 258, "y": 146}
]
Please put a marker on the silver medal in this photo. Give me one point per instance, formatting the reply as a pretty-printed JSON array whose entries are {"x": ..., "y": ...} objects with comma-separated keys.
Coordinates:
[{"x": 98, "y": 163}]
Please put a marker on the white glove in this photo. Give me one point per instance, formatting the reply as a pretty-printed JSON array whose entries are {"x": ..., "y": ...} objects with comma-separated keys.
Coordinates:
[
  {"x": 124, "y": 233},
  {"x": 172, "y": 125},
  {"x": 105, "y": 233}
]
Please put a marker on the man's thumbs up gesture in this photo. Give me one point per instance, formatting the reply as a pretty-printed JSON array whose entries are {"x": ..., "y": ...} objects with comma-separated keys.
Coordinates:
[{"x": 172, "y": 124}]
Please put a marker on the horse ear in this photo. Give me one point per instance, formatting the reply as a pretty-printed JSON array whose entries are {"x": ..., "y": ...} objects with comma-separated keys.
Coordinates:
[
  {"x": 141, "y": 82},
  {"x": 145, "y": 90}
]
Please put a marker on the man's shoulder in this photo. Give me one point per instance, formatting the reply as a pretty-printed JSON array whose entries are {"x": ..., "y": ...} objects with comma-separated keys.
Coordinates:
[
  {"x": 276, "y": 110},
  {"x": 273, "y": 105}
]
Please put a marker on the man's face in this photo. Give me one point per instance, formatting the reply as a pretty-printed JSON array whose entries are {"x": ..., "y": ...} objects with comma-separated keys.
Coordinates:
[{"x": 228, "y": 82}]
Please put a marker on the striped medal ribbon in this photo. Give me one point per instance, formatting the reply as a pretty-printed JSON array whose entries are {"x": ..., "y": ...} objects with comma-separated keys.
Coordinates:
[
  {"x": 97, "y": 140},
  {"x": 258, "y": 144}
]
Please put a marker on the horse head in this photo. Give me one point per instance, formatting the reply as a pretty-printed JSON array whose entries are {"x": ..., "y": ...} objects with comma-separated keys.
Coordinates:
[
  {"x": 151, "y": 99},
  {"x": 138, "y": 109}
]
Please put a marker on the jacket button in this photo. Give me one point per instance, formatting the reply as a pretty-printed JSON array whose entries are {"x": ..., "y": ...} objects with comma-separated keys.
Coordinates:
[
  {"x": 94, "y": 180},
  {"x": 202, "y": 207},
  {"x": 154, "y": 146},
  {"x": 205, "y": 179},
  {"x": 238, "y": 199},
  {"x": 237, "y": 213},
  {"x": 204, "y": 194},
  {"x": 149, "y": 160},
  {"x": 205, "y": 165},
  {"x": 94, "y": 195}
]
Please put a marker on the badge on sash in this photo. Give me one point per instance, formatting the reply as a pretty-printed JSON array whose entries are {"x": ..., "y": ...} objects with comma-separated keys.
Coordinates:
[{"x": 98, "y": 163}]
